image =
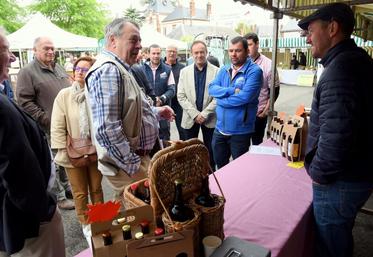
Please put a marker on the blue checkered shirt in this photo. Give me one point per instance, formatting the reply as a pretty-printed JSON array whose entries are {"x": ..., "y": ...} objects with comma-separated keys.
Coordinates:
[{"x": 106, "y": 95}]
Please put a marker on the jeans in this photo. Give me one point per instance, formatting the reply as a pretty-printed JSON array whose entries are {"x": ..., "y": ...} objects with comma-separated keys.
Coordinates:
[
  {"x": 225, "y": 146},
  {"x": 207, "y": 138},
  {"x": 335, "y": 207},
  {"x": 260, "y": 126}
]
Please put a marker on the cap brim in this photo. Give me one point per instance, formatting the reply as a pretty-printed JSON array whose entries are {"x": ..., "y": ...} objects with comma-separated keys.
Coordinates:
[{"x": 303, "y": 23}]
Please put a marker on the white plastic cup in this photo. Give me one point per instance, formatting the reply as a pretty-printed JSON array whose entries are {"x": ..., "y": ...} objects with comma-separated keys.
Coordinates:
[{"x": 210, "y": 243}]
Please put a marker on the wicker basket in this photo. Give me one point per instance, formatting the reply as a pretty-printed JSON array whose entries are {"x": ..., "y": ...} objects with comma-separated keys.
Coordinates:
[
  {"x": 193, "y": 224},
  {"x": 212, "y": 218},
  {"x": 131, "y": 201},
  {"x": 186, "y": 160}
]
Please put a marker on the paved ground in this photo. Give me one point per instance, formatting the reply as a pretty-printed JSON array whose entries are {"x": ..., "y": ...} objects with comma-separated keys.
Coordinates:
[{"x": 290, "y": 97}]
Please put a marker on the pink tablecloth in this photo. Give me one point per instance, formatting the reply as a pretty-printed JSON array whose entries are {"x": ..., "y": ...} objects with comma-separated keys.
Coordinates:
[{"x": 267, "y": 203}]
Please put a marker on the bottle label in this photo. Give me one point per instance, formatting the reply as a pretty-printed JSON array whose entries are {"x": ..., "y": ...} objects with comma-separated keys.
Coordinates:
[
  {"x": 289, "y": 149},
  {"x": 295, "y": 151}
]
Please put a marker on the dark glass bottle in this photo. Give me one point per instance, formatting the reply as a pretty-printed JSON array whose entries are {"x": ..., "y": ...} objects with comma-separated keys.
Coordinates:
[
  {"x": 126, "y": 230},
  {"x": 205, "y": 199},
  {"x": 290, "y": 150},
  {"x": 106, "y": 236},
  {"x": 296, "y": 144},
  {"x": 135, "y": 190},
  {"x": 179, "y": 211},
  {"x": 145, "y": 227},
  {"x": 146, "y": 192}
]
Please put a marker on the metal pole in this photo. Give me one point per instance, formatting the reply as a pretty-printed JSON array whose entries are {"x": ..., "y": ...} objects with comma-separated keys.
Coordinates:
[{"x": 276, "y": 16}]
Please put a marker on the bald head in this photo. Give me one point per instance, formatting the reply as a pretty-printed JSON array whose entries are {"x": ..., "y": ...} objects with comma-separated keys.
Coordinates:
[
  {"x": 6, "y": 57},
  {"x": 44, "y": 50}
]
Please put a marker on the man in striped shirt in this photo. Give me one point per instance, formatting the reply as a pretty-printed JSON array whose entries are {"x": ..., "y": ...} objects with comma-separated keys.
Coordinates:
[{"x": 125, "y": 125}]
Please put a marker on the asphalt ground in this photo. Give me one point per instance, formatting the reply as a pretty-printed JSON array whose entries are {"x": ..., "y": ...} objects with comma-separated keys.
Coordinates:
[{"x": 290, "y": 98}]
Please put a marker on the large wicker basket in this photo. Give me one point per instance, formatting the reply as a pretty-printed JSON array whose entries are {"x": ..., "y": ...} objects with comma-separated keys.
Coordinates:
[{"x": 186, "y": 160}]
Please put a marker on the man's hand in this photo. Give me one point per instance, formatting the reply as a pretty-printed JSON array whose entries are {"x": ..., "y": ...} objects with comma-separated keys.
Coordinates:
[
  {"x": 237, "y": 90},
  {"x": 199, "y": 119},
  {"x": 166, "y": 113},
  {"x": 158, "y": 101}
]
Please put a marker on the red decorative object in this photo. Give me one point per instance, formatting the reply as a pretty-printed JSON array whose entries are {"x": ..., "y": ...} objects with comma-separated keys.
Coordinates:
[{"x": 102, "y": 211}]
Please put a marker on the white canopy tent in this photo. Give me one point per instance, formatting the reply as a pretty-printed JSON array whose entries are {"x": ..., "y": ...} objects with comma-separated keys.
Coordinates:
[
  {"x": 39, "y": 25},
  {"x": 150, "y": 36}
]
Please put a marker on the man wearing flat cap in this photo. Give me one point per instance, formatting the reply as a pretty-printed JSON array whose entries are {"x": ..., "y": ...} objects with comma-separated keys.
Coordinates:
[{"x": 339, "y": 144}]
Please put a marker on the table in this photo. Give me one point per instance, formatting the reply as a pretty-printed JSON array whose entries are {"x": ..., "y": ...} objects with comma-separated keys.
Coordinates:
[{"x": 267, "y": 203}]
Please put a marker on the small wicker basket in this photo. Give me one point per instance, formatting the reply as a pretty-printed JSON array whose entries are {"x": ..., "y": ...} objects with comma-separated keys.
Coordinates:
[
  {"x": 131, "y": 201},
  {"x": 212, "y": 218}
]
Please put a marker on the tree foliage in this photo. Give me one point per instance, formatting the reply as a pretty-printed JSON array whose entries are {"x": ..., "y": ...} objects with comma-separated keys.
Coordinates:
[
  {"x": 83, "y": 17},
  {"x": 10, "y": 13},
  {"x": 242, "y": 28},
  {"x": 134, "y": 15}
]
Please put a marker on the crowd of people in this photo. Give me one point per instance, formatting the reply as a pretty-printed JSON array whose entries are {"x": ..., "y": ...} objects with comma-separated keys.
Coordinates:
[{"x": 121, "y": 105}]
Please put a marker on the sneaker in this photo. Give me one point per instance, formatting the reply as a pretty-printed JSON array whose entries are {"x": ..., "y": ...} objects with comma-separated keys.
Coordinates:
[
  {"x": 66, "y": 204},
  {"x": 68, "y": 194}
]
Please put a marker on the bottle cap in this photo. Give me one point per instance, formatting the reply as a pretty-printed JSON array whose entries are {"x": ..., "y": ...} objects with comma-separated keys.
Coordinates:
[
  {"x": 126, "y": 228},
  {"x": 139, "y": 235},
  {"x": 134, "y": 186},
  {"x": 158, "y": 231},
  {"x": 144, "y": 223},
  {"x": 121, "y": 220},
  {"x": 106, "y": 234},
  {"x": 146, "y": 183},
  {"x": 178, "y": 181}
]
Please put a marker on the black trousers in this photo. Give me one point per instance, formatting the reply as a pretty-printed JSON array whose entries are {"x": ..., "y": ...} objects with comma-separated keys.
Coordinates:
[{"x": 260, "y": 126}]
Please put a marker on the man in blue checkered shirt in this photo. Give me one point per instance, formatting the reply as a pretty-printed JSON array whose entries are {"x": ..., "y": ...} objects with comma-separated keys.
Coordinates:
[{"x": 125, "y": 124}]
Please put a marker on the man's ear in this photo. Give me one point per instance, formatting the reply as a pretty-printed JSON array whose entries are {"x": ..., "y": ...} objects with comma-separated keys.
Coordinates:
[
  {"x": 112, "y": 42},
  {"x": 334, "y": 28}
]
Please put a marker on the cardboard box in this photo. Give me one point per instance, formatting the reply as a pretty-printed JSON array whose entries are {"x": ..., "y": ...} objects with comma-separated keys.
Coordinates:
[
  {"x": 118, "y": 248},
  {"x": 173, "y": 244},
  {"x": 293, "y": 139}
]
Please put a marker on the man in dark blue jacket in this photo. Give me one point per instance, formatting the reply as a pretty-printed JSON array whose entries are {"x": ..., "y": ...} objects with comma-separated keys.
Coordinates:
[
  {"x": 30, "y": 224},
  {"x": 236, "y": 89},
  {"x": 161, "y": 77},
  {"x": 339, "y": 145}
]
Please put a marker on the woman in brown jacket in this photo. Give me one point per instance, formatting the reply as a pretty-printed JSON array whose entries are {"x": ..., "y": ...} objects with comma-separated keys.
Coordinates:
[{"x": 70, "y": 117}]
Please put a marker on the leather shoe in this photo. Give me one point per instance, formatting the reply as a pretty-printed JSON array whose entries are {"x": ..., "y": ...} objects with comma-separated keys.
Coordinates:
[
  {"x": 68, "y": 194},
  {"x": 66, "y": 204}
]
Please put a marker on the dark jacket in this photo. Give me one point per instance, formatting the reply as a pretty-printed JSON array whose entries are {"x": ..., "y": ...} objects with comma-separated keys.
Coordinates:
[
  {"x": 176, "y": 68},
  {"x": 339, "y": 144},
  {"x": 141, "y": 79},
  {"x": 25, "y": 169},
  {"x": 160, "y": 85},
  {"x": 37, "y": 87}
]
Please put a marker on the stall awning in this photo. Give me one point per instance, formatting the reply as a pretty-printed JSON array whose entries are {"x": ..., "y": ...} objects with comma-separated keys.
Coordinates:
[
  {"x": 300, "y": 42},
  {"x": 363, "y": 10}
]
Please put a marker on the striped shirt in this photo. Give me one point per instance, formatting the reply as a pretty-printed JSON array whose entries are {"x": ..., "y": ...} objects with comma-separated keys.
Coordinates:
[{"x": 106, "y": 94}]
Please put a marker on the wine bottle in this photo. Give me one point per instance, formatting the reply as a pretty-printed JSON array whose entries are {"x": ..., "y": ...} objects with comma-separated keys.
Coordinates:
[
  {"x": 205, "y": 199},
  {"x": 179, "y": 211},
  {"x": 296, "y": 144},
  {"x": 126, "y": 230},
  {"x": 106, "y": 236},
  {"x": 290, "y": 141},
  {"x": 146, "y": 192},
  {"x": 135, "y": 190},
  {"x": 283, "y": 144}
]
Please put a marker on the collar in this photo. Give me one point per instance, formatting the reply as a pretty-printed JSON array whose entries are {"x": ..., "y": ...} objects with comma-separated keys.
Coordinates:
[
  {"x": 203, "y": 68},
  {"x": 116, "y": 57},
  {"x": 256, "y": 58},
  {"x": 335, "y": 50},
  {"x": 43, "y": 66}
]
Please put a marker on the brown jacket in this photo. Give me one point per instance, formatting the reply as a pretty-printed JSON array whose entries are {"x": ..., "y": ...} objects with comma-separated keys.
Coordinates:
[{"x": 37, "y": 87}]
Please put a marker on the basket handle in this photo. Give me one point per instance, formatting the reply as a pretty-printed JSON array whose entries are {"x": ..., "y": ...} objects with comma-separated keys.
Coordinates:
[
  {"x": 217, "y": 181},
  {"x": 162, "y": 204}
]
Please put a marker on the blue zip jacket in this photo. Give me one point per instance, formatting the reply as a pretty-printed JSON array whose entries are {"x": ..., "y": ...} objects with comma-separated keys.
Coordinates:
[{"x": 236, "y": 112}]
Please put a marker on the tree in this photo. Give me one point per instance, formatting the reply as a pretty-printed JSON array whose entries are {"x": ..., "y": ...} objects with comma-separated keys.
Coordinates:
[
  {"x": 133, "y": 15},
  {"x": 242, "y": 28},
  {"x": 10, "y": 13},
  {"x": 83, "y": 17}
]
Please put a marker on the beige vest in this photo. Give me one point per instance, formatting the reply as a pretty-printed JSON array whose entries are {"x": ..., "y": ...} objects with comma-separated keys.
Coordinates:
[{"x": 131, "y": 114}]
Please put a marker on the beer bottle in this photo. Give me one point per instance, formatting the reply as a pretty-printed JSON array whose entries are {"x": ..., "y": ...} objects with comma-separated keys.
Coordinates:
[
  {"x": 179, "y": 211},
  {"x": 205, "y": 199},
  {"x": 126, "y": 230}
]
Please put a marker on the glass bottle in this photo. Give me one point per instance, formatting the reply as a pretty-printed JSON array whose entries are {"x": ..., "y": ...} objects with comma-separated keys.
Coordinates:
[
  {"x": 106, "y": 236},
  {"x": 179, "y": 211},
  {"x": 204, "y": 198},
  {"x": 146, "y": 192},
  {"x": 126, "y": 230}
]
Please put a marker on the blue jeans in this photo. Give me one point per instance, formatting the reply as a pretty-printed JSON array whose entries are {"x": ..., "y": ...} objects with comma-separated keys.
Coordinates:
[
  {"x": 225, "y": 146},
  {"x": 335, "y": 207}
]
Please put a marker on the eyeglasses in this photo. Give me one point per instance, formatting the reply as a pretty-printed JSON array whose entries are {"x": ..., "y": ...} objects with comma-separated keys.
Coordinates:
[{"x": 79, "y": 69}]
